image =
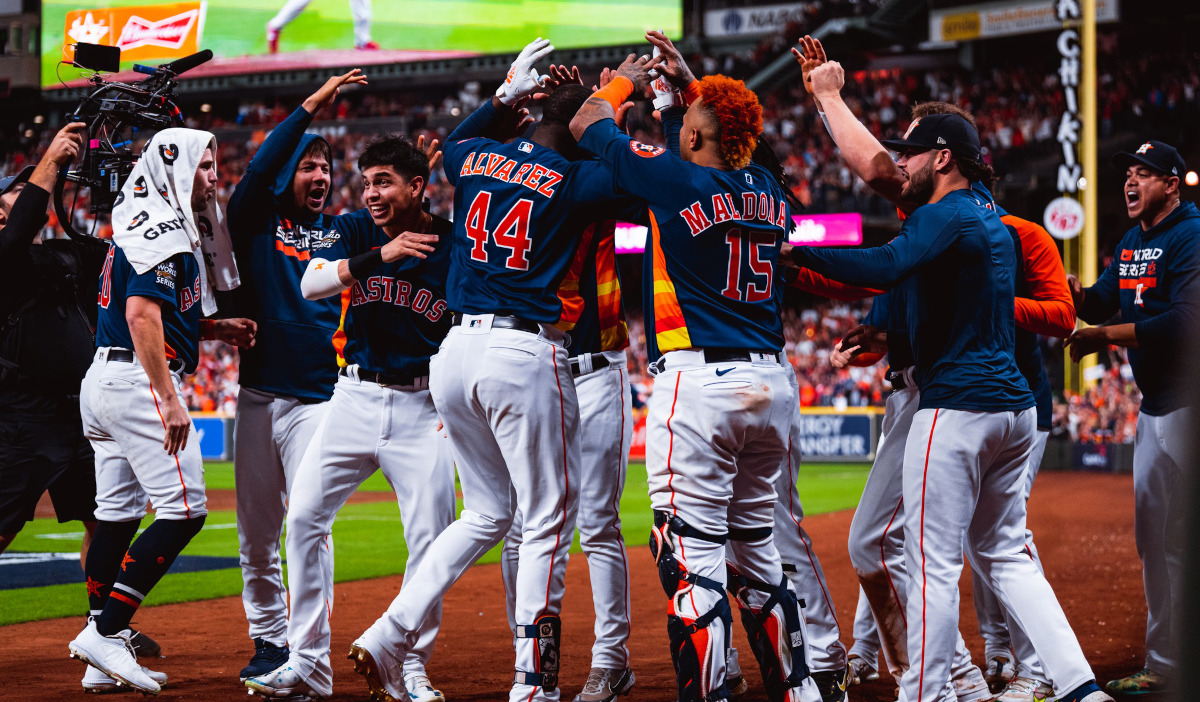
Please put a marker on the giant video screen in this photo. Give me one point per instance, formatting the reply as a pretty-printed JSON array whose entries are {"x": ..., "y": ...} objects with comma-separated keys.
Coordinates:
[{"x": 263, "y": 35}]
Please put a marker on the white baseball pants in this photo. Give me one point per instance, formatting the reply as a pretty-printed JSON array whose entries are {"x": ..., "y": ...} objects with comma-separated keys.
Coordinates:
[
  {"x": 606, "y": 430},
  {"x": 121, "y": 419},
  {"x": 877, "y": 541},
  {"x": 997, "y": 631},
  {"x": 1161, "y": 457},
  {"x": 367, "y": 426},
  {"x": 801, "y": 564},
  {"x": 270, "y": 435},
  {"x": 964, "y": 485},
  {"x": 360, "y": 10},
  {"x": 866, "y": 634},
  {"x": 714, "y": 447},
  {"x": 509, "y": 407}
]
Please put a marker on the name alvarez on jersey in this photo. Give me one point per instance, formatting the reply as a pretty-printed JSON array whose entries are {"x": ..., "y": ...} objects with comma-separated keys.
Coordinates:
[{"x": 505, "y": 169}]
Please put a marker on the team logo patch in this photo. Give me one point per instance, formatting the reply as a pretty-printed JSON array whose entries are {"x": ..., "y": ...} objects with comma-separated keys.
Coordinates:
[
  {"x": 205, "y": 227},
  {"x": 645, "y": 150},
  {"x": 120, "y": 198},
  {"x": 138, "y": 220},
  {"x": 164, "y": 274},
  {"x": 163, "y": 192},
  {"x": 139, "y": 187},
  {"x": 525, "y": 146},
  {"x": 169, "y": 153},
  {"x": 1145, "y": 147}
]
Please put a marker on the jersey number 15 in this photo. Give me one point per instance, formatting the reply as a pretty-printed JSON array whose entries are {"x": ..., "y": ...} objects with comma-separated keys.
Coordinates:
[{"x": 746, "y": 251}]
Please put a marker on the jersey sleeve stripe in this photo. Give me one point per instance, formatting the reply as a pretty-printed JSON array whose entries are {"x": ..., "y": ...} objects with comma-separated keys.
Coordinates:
[
  {"x": 614, "y": 334},
  {"x": 339, "y": 336},
  {"x": 670, "y": 328}
]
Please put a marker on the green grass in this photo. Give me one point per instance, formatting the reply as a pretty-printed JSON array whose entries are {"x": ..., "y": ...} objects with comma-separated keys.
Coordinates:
[
  {"x": 237, "y": 27},
  {"x": 368, "y": 537}
]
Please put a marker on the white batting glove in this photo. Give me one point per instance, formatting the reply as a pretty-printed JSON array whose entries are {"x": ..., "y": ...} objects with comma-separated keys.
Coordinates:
[
  {"x": 665, "y": 94},
  {"x": 523, "y": 79}
]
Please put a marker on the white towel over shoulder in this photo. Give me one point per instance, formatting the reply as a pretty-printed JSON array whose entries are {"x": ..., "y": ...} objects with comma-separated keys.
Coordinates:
[{"x": 153, "y": 219}]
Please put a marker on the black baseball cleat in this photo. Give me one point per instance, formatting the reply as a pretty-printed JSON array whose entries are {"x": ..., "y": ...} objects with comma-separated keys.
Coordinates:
[
  {"x": 144, "y": 646},
  {"x": 267, "y": 657},
  {"x": 832, "y": 684}
]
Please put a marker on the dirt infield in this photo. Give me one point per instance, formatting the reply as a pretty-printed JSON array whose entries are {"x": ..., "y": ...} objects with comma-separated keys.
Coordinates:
[{"x": 1083, "y": 525}]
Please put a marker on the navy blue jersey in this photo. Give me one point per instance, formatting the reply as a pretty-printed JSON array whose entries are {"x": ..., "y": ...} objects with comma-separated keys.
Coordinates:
[
  {"x": 293, "y": 353},
  {"x": 960, "y": 260},
  {"x": 519, "y": 211},
  {"x": 1154, "y": 280},
  {"x": 175, "y": 283},
  {"x": 713, "y": 245},
  {"x": 394, "y": 319},
  {"x": 1025, "y": 349}
]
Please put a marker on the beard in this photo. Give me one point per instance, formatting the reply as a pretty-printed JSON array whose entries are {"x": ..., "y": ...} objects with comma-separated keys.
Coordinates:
[{"x": 918, "y": 190}]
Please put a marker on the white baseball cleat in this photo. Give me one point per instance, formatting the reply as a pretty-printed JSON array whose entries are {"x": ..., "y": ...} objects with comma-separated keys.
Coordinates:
[
  {"x": 283, "y": 682},
  {"x": 421, "y": 690},
  {"x": 114, "y": 656},
  {"x": 861, "y": 670},
  {"x": 95, "y": 680},
  {"x": 1022, "y": 689}
]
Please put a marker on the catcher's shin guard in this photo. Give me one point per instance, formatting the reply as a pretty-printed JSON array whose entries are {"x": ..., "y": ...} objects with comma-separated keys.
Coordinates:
[
  {"x": 696, "y": 643},
  {"x": 548, "y": 632},
  {"x": 777, "y": 641}
]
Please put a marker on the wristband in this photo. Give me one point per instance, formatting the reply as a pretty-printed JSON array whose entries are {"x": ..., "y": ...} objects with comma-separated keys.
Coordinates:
[
  {"x": 364, "y": 263},
  {"x": 825, "y": 121},
  {"x": 692, "y": 92},
  {"x": 208, "y": 328},
  {"x": 616, "y": 92}
]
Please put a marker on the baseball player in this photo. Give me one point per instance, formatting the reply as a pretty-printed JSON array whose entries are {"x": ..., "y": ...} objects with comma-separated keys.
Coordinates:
[
  {"x": 277, "y": 225},
  {"x": 826, "y": 655},
  {"x": 1043, "y": 306},
  {"x": 591, "y": 294},
  {"x": 501, "y": 379},
  {"x": 388, "y": 263},
  {"x": 1153, "y": 281},
  {"x": 973, "y": 431},
  {"x": 719, "y": 417},
  {"x": 360, "y": 10},
  {"x": 148, "y": 335}
]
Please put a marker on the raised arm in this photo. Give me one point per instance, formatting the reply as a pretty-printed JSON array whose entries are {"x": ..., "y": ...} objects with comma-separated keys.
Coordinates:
[
  {"x": 633, "y": 77},
  {"x": 861, "y": 151},
  {"x": 22, "y": 223}
]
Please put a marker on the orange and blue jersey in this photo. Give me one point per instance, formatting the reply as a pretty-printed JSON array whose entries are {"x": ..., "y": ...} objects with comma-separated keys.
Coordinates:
[
  {"x": 293, "y": 354},
  {"x": 710, "y": 271},
  {"x": 395, "y": 318},
  {"x": 956, "y": 263},
  {"x": 591, "y": 294},
  {"x": 519, "y": 210},
  {"x": 1154, "y": 281},
  {"x": 175, "y": 283}
]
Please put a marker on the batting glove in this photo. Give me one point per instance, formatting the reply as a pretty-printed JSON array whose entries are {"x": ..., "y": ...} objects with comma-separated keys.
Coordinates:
[
  {"x": 523, "y": 79},
  {"x": 665, "y": 94}
]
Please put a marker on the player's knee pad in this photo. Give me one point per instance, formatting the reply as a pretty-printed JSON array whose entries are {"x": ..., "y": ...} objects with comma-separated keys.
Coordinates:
[
  {"x": 775, "y": 632},
  {"x": 547, "y": 631}
]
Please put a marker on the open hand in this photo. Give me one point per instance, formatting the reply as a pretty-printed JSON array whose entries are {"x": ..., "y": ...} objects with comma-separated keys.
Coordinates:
[
  {"x": 433, "y": 154},
  {"x": 673, "y": 67},
  {"x": 327, "y": 93},
  {"x": 408, "y": 244},
  {"x": 810, "y": 55},
  {"x": 523, "y": 79}
]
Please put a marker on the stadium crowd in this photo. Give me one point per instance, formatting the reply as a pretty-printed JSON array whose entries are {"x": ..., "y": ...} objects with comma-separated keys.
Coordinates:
[{"x": 1016, "y": 108}]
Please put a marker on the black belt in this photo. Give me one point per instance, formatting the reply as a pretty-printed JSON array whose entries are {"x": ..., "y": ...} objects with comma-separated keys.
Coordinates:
[
  {"x": 599, "y": 362},
  {"x": 720, "y": 355},
  {"x": 383, "y": 378},
  {"x": 126, "y": 356},
  {"x": 502, "y": 322},
  {"x": 896, "y": 378}
]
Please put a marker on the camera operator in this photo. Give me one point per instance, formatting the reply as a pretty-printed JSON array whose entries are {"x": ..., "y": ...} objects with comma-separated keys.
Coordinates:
[{"x": 48, "y": 293}]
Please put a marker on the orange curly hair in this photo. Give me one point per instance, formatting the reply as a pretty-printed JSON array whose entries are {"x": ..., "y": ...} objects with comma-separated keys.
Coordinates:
[{"x": 738, "y": 116}]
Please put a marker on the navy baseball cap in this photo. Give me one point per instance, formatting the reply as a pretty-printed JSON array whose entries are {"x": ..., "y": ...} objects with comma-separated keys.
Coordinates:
[
  {"x": 9, "y": 182},
  {"x": 1158, "y": 155},
  {"x": 940, "y": 131}
]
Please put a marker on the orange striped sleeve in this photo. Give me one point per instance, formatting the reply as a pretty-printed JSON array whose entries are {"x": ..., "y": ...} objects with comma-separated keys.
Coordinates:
[
  {"x": 1049, "y": 310},
  {"x": 339, "y": 336},
  {"x": 670, "y": 328},
  {"x": 614, "y": 333}
]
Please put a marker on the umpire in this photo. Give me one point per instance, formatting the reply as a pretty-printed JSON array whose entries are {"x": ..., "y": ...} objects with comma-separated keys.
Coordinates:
[
  {"x": 1154, "y": 282},
  {"x": 48, "y": 292}
]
